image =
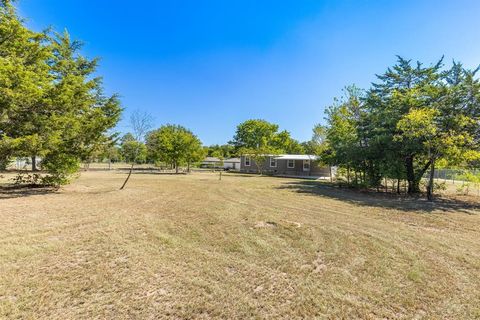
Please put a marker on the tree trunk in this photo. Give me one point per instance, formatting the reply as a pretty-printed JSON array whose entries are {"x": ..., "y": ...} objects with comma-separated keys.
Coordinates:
[
  {"x": 398, "y": 186},
  {"x": 109, "y": 164},
  {"x": 348, "y": 175},
  {"x": 188, "y": 167},
  {"x": 34, "y": 163},
  {"x": 431, "y": 181},
  {"x": 128, "y": 177},
  {"x": 176, "y": 167},
  {"x": 331, "y": 175},
  {"x": 412, "y": 186},
  {"x": 412, "y": 177},
  {"x": 259, "y": 168}
]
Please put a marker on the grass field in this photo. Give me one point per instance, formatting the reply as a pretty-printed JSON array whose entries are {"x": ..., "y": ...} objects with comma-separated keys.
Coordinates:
[{"x": 191, "y": 246}]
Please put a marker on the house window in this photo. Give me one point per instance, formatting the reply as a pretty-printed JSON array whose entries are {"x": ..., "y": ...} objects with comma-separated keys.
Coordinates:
[
  {"x": 247, "y": 161},
  {"x": 306, "y": 165},
  {"x": 290, "y": 164},
  {"x": 273, "y": 162}
]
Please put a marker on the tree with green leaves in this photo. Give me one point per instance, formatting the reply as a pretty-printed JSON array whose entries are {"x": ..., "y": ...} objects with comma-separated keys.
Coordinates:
[
  {"x": 132, "y": 151},
  {"x": 25, "y": 80},
  {"x": 80, "y": 114},
  {"x": 445, "y": 128},
  {"x": 174, "y": 144},
  {"x": 225, "y": 150},
  {"x": 260, "y": 139},
  {"x": 403, "y": 87},
  {"x": 254, "y": 133},
  {"x": 285, "y": 143},
  {"x": 133, "y": 145},
  {"x": 317, "y": 143},
  {"x": 412, "y": 118},
  {"x": 194, "y": 151},
  {"x": 345, "y": 147},
  {"x": 51, "y": 105},
  {"x": 111, "y": 152}
]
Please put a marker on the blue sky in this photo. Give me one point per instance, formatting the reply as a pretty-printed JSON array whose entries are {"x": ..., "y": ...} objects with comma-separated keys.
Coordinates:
[{"x": 209, "y": 65}]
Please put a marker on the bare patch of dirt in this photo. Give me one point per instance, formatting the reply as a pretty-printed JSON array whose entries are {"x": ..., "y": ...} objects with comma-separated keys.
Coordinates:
[{"x": 265, "y": 224}]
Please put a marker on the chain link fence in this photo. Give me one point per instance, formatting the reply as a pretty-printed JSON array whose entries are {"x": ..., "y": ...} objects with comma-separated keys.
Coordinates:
[{"x": 451, "y": 174}]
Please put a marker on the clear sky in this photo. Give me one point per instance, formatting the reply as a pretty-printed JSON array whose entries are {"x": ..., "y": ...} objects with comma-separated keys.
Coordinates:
[{"x": 209, "y": 65}]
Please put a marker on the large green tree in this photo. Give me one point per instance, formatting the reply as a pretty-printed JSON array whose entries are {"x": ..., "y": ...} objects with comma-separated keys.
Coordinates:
[
  {"x": 25, "y": 80},
  {"x": 403, "y": 87},
  {"x": 345, "y": 147},
  {"x": 174, "y": 144},
  {"x": 414, "y": 116},
  {"x": 317, "y": 143},
  {"x": 51, "y": 104},
  {"x": 132, "y": 150},
  {"x": 254, "y": 133},
  {"x": 447, "y": 127},
  {"x": 258, "y": 133},
  {"x": 224, "y": 151},
  {"x": 259, "y": 139}
]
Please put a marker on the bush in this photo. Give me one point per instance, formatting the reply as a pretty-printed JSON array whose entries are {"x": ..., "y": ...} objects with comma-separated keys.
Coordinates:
[
  {"x": 464, "y": 189},
  {"x": 441, "y": 186},
  {"x": 60, "y": 169},
  {"x": 4, "y": 163}
]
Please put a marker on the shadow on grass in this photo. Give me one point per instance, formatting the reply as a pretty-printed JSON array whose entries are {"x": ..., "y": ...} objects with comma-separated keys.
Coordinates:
[
  {"x": 22, "y": 191},
  {"x": 384, "y": 200},
  {"x": 153, "y": 173}
]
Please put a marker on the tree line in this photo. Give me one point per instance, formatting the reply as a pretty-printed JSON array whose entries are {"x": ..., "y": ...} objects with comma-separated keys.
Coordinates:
[
  {"x": 412, "y": 119},
  {"x": 178, "y": 146}
]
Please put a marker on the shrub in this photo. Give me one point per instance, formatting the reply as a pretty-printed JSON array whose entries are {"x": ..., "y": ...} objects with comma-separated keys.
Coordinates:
[{"x": 60, "y": 169}]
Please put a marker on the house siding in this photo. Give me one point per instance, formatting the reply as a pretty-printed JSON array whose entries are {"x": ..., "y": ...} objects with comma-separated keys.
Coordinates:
[{"x": 282, "y": 168}]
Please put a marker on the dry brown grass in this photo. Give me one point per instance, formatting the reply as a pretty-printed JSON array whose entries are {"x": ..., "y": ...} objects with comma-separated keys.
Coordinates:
[{"x": 191, "y": 246}]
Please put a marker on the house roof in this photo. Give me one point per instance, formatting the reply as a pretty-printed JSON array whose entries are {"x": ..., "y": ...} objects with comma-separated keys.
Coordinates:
[
  {"x": 211, "y": 159},
  {"x": 214, "y": 159},
  {"x": 296, "y": 157}
]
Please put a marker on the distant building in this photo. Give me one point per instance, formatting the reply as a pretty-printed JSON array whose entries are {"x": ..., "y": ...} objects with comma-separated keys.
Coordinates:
[
  {"x": 287, "y": 165},
  {"x": 210, "y": 162},
  {"x": 228, "y": 164}
]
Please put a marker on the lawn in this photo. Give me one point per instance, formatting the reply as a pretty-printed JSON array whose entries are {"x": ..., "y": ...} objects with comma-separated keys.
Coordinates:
[{"x": 191, "y": 246}]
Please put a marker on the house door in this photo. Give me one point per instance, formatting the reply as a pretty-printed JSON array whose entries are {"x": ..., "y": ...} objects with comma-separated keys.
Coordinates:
[{"x": 306, "y": 165}]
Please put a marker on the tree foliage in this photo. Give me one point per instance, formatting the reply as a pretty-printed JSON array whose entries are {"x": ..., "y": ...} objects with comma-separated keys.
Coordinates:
[
  {"x": 132, "y": 150},
  {"x": 257, "y": 133},
  {"x": 411, "y": 118},
  {"x": 224, "y": 151},
  {"x": 51, "y": 105},
  {"x": 174, "y": 144}
]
